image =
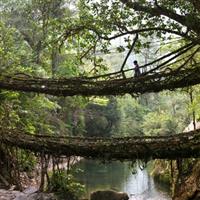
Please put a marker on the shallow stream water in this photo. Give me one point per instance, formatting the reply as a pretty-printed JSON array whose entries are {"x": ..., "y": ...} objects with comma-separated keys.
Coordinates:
[{"x": 137, "y": 183}]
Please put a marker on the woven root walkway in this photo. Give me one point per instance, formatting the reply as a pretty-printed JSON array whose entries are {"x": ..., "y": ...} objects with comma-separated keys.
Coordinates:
[
  {"x": 88, "y": 87},
  {"x": 184, "y": 145}
]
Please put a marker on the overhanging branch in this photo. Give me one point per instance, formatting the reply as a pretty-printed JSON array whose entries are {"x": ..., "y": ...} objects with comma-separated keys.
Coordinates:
[
  {"x": 130, "y": 32},
  {"x": 158, "y": 11}
]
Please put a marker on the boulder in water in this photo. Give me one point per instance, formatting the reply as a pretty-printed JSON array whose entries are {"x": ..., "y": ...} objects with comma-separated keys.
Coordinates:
[{"x": 108, "y": 195}]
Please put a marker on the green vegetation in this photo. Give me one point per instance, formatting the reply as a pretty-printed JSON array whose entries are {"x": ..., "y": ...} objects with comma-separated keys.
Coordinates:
[
  {"x": 62, "y": 39},
  {"x": 65, "y": 186}
]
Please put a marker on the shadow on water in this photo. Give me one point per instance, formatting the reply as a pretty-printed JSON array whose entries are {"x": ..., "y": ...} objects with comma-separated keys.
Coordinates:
[{"x": 120, "y": 177}]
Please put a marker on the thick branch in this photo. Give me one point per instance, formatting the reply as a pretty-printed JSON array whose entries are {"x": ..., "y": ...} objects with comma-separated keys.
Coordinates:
[{"x": 158, "y": 11}]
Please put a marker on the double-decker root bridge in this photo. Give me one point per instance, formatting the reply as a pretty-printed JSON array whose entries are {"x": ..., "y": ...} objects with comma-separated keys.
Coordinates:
[{"x": 184, "y": 145}]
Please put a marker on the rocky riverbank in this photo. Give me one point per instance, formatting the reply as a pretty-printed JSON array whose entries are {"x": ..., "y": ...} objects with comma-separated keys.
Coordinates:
[
  {"x": 31, "y": 182},
  {"x": 28, "y": 194}
]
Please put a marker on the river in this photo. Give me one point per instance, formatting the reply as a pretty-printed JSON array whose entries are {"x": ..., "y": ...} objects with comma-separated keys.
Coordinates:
[{"x": 137, "y": 183}]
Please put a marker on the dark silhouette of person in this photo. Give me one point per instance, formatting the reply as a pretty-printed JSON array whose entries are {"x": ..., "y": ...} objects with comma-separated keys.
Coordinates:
[{"x": 136, "y": 69}]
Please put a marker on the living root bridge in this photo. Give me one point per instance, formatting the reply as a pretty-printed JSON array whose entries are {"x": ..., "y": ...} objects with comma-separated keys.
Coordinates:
[
  {"x": 185, "y": 145},
  {"x": 88, "y": 86}
]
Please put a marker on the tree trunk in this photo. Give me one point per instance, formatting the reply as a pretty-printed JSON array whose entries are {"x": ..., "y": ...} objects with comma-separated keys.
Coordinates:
[{"x": 189, "y": 188}]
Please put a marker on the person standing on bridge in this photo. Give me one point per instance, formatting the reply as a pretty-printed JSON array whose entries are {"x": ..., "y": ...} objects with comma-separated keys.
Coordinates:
[{"x": 136, "y": 69}]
